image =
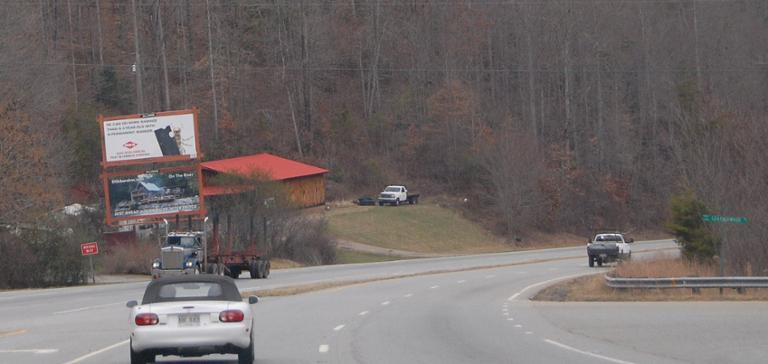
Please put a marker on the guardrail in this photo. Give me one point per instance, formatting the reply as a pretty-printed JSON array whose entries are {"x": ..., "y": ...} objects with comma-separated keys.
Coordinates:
[{"x": 694, "y": 283}]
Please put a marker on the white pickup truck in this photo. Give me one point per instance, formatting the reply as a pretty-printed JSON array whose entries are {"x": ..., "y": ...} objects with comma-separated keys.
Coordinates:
[
  {"x": 396, "y": 194},
  {"x": 608, "y": 247}
]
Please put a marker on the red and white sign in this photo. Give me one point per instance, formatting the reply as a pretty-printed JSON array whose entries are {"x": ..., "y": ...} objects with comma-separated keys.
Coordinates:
[
  {"x": 139, "y": 139},
  {"x": 89, "y": 248}
]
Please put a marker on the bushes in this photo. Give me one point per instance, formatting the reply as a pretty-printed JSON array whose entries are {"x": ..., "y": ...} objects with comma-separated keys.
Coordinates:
[
  {"x": 129, "y": 258},
  {"x": 695, "y": 238},
  {"x": 41, "y": 258}
]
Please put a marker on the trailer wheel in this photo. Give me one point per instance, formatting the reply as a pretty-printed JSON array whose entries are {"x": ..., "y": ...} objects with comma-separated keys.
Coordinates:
[
  {"x": 267, "y": 268},
  {"x": 253, "y": 268},
  {"x": 235, "y": 273},
  {"x": 599, "y": 262},
  {"x": 591, "y": 261},
  {"x": 262, "y": 268}
]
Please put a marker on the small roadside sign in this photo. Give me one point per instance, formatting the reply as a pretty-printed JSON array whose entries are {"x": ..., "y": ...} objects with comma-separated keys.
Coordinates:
[
  {"x": 730, "y": 219},
  {"x": 89, "y": 248}
]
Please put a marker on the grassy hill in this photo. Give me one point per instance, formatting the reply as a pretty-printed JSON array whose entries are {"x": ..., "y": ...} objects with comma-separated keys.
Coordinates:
[{"x": 424, "y": 228}]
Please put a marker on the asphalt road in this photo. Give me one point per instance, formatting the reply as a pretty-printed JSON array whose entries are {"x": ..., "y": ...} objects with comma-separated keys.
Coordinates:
[{"x": 478, "y": 316}]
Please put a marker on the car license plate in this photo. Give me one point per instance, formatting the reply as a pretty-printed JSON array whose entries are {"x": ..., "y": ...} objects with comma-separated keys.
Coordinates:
[{"x": 189, "y": 319}]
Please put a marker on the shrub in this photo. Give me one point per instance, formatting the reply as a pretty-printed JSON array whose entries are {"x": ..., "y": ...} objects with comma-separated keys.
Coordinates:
[{"x": 694, "y": 237}]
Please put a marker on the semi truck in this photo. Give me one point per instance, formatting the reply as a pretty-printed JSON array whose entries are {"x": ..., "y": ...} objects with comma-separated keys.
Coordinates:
[{"x": 185, "y": 253}]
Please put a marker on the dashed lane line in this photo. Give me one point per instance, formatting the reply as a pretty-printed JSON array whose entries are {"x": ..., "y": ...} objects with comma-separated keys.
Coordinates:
[
  {"x": 97, "y": 352},
  {"x": 385, "y": 303},
  {"x": 587, "y": 353},
  {"x": 31, "y": 351},
  {"x": 363, "y": 313},
  {"x": 88, "y": 308},
  {"x": 337, "y": 328},
  {"x": 434, "y": 287},
  {"x": 408, "y": 295},
  {"x": 323, "y": 348}
]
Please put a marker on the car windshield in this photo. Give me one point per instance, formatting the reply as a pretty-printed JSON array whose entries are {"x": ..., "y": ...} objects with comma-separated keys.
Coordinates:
[
  {"x": 392, "y": 189},
  {"x": 608, "y": 238},
  {"x": 183, "y": 241},
  {"x": 190, "y": 291}
]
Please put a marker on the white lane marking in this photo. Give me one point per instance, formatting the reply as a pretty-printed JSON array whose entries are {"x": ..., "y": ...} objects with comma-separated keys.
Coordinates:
[
  {"x": 323, "y": 348},
  {"x": 87, "y": 308},
  {"x": 97, "y": 352},
  {"x": 518, "y": 326},
  {"x": 529, "y": 332},
  {"x": 514, "y": 296},
  {"x": 506, "y": 313},
  {"x": 510, "y": 319},
  {"x": 363, "y": 313},
  {"x": 408, "y": 295},
  {"x": 489, "y": 276},
  {"x": 505, "y": 309},
  {"x": 607, "y": 358},
  {"x": 385, "y": 303},
  {"x": 461, "y": 281},
  {"x": 33, "y": 351},
  {"x": 337, "y": 328},
  {"x": 433, "y": 287}
]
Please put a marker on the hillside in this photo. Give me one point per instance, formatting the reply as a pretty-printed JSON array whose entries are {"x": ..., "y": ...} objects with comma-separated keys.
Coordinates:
[{"x": 423, "y": 228}]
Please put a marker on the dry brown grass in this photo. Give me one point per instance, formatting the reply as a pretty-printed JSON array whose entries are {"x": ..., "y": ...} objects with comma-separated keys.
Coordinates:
[
  {"x": 664, "y": 266},
  {"x": 280, "y": 263},
  {"x": 593, "y": 288}
]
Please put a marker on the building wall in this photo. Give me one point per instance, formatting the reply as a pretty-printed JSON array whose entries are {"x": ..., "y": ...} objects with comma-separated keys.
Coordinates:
[{"x": 307, "y": 191}]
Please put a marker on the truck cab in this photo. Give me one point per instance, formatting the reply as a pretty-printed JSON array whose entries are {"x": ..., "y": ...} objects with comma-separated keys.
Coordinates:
[
  {"x": 608, "y": 247},
  {"x": 181, "y": 253}
]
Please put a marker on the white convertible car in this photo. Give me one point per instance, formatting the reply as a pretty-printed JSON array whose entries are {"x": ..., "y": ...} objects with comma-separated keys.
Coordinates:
[{"x": 191, "y": 315}]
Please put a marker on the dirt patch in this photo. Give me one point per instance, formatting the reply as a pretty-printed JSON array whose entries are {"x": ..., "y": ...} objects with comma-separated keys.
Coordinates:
[{"x": 280, "y": 263}]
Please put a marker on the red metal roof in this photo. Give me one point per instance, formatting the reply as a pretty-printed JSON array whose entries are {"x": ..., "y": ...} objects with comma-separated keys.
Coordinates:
[{"x": 274, "y": 167}]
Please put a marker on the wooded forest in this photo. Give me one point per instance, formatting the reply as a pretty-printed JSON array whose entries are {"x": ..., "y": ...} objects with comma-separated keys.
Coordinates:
[{"x": 552, "y": 115}]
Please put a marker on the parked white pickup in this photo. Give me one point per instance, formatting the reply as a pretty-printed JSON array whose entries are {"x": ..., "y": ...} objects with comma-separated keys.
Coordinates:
[{"x": 396, "y": 194}]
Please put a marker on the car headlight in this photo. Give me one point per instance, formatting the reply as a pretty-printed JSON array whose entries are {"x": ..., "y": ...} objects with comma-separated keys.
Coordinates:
[
  {"x": 156, "y": 264},
  {"x": 188, "y": 264}
]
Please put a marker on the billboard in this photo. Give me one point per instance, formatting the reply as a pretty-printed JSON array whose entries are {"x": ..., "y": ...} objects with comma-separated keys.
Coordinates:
[
  {"x": 165, "y": 192},
  {"x": 160, "y": 137}
]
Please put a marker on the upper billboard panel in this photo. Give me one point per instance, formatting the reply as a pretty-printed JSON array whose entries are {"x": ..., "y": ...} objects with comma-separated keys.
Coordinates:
[{"x": 136, "y": 139}]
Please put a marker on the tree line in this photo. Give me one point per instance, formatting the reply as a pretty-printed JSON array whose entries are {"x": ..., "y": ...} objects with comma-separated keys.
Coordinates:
[{"x": 549, "y": 115}]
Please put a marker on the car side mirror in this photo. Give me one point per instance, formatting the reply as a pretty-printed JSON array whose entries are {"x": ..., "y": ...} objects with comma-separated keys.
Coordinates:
[
  {"x": 630, "y": 240},
  {"x": 131, "y": 304},
  {"x": 253, "y": 300}
]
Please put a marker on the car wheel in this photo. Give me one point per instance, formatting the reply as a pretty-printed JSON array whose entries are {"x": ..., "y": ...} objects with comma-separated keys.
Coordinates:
[
  {"x": 599, "y": 262},
  {"x": 141, "y": 358},
  {"x": 591, "y": 261},
  {"x": 253, "y": 268},
  {"x": 397, "y": 202},
  {"x": 245, "y": 356},
  {"x": 197, "y": 269},
  {"x": 235, "y": 273}
]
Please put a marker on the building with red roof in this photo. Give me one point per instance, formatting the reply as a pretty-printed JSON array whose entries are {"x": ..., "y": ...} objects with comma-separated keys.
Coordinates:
[{"x": 305, "y": 183}]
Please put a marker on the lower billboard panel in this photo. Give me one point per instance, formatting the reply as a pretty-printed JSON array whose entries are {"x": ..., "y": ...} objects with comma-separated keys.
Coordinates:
[{"x": 140, "y": 195}]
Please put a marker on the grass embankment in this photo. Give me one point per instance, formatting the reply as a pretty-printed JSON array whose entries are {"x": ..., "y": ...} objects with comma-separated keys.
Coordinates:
[
  {"x": 593, "y": 288},
  {"x": 422, "y": 228}
]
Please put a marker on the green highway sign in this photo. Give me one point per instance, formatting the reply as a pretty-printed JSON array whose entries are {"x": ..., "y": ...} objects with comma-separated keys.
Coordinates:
[{"x": 718, "y": 218}]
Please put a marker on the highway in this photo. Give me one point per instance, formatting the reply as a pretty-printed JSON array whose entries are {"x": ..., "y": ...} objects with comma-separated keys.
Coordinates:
[{"x": 466, "y": 314}]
